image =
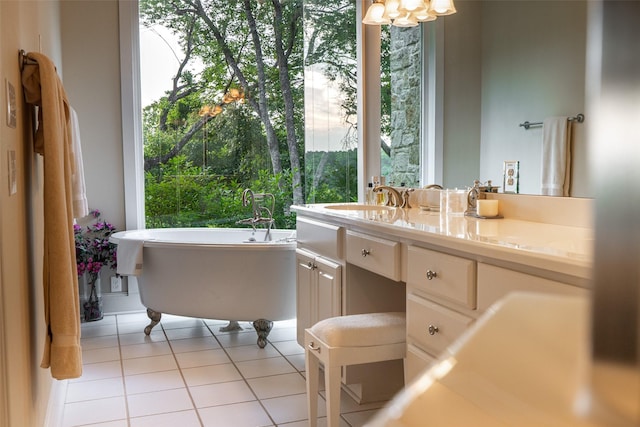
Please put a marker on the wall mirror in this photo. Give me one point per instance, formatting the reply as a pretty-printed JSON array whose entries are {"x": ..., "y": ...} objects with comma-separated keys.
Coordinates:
[{"x": 497, "y": 64}]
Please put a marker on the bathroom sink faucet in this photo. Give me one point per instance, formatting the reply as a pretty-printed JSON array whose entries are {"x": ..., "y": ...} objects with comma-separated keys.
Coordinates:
[{"x": 396, "y": 198}]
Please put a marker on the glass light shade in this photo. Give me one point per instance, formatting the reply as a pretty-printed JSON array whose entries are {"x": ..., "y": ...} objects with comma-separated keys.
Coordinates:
[
  {"x": 442, "y": 7},
  {"x": 411, "y": 5},
  {"x": 424, "y": 16},
  {"x": 375, "y": 15},
  {"x": 407, "y": 20},
  {"x": 391, "y": 8}
]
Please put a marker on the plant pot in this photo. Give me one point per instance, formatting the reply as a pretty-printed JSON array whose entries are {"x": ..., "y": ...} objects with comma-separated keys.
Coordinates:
[{"x": 92, "y": 302}]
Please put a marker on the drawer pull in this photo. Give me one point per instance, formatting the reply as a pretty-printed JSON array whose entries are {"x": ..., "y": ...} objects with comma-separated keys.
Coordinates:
[
  {"x": 433, "y": 330},
  {"x": 313, "y": 347},
  {"x": 431, "y": 275},
  {"x": 365, "y": 252}
]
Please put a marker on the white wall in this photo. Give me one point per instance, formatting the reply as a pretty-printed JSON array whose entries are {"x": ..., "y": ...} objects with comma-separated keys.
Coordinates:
[{"x": 32, "y": 26}]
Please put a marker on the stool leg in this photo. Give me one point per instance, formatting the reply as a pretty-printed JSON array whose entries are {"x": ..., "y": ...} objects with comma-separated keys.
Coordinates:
[
  {"x": 312, "y": 367},
  {"x": 332, "y": 380}
]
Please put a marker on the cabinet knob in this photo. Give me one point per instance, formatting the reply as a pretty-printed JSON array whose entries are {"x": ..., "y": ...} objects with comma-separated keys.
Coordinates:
[
  {"x": 365, "y": 252},
  {"x": 311, "y": 265},
  {"x": 431, "y": 274},
  {"x": 433, "y": 330}
]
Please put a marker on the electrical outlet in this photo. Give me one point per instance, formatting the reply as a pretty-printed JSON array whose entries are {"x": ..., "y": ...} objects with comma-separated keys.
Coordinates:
[{"x": 116, "y": 284}]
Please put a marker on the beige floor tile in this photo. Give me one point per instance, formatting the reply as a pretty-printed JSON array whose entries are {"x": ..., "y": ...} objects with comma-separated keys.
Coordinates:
[
  {"x": 297, "y": 360},
  {"x": 251, "y": 352},
  {"x": 265, "y": 367},
  {"x": 210, "y": 374},
  {"x": 154, "y": 381},
  {"x": 135, "y": 328},
  {"x": 359, "y": 419},
  {"x": 194, "y": 344},
  {"x": 98, "y": 330},
  {"x": 221, "y": 394},
  {"x": 145, "y": 350},
  {"x": 282, "y": 334},
  {"x": 277, "y": 385},
  {"x": 94, "y": 411},
  {"x": 159, "y": 402},
  {"x": 157, "y": 335},
  {"x": 288, "y": 348},
  {"x": 99, "y": 371},
  {"x": 176, "y": 334},
  {"x": 238, "y": 339},
  {"x": 194, "y": 359},
  {"x": 247, "y": 414},
  {"x": 145, "y": 365},
  {"x": 92, "y": 390},
  {"x": 181, "y": 419},
  {"x": 288, "y": 409}
]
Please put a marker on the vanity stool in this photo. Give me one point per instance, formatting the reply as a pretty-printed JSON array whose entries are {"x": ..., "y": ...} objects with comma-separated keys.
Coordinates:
[{"x": 348, "y": 340}]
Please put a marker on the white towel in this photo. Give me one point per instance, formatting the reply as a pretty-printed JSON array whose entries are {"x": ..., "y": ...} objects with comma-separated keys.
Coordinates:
[
  {"x": 556, "y": 156},
  {"x": 79, "y": 191},
  {"x": 129, "y": 256}
]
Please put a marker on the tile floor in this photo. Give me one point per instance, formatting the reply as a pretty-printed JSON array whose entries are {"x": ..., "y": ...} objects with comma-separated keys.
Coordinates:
[{"x": 189, "y": 374}]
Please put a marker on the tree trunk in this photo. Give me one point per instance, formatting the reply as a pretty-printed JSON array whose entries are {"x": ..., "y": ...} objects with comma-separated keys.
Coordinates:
[
  {"x": 285, "y": 86},
  {"x": 261, "y": 106}
]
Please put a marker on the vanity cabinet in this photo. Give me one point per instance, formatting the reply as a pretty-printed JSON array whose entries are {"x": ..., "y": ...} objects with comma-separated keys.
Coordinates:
[
  {"x": 350, "y": 264},
  {"x": 318, "y": 273}
]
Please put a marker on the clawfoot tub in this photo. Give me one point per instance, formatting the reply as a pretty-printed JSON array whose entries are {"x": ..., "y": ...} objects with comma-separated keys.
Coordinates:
[{"x": 214, "y": 273}]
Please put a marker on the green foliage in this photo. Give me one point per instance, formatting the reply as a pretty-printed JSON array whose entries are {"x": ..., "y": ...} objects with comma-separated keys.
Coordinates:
[{"x": 196, "y": 166}]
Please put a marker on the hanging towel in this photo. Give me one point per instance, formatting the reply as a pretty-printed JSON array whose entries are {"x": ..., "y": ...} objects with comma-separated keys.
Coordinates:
[
  {"x": 80, "y": 203},
  {"x": 556, "y": 156},
  {"x": 130, "y": 256},
  {"x": 42, "y": 87}
]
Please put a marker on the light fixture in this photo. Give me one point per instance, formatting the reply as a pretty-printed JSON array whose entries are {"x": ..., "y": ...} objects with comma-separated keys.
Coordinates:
[
  {"x": 376, "y": 14},
  {"x": 442, "y": 7},
  {"x": 406, "y": 13}
]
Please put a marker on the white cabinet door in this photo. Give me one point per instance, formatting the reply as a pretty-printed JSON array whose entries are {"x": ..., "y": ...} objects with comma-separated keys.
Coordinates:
[{"x": 319, "y": 290}]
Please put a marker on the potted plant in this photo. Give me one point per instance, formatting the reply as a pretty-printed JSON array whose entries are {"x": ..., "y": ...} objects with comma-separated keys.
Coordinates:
[{"x": 93, "y": 251}]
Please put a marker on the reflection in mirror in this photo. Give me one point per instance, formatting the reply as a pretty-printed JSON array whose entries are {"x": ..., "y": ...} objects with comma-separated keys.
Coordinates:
[
  {"x": 502, "y": 63},
  {"x": 401, "y": 79}
]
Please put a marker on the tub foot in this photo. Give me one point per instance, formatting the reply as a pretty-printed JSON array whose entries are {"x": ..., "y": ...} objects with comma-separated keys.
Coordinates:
[
  {"x": 155, "y": 319},
  {"x": 232, "y": 326},
  {"x": 263, "y": 327}
]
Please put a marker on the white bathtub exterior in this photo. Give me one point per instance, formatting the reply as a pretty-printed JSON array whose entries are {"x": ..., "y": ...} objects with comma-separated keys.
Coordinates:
[{"x": 217, "y": 273}]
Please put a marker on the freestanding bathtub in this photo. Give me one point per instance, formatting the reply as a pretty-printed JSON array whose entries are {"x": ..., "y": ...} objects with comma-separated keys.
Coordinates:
[{"x": 216, "y": 273}]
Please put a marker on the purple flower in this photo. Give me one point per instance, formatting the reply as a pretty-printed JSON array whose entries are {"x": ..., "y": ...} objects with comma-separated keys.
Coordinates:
[{"x": 93, "y": 249}]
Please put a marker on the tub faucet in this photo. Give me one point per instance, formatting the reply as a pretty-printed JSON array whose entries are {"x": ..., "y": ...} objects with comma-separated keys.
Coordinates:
[{"x": 262, "y": 215}]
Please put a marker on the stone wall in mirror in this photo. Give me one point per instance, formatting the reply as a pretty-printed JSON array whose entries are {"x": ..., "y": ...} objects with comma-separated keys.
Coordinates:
[{"x": 504, "y": 63}]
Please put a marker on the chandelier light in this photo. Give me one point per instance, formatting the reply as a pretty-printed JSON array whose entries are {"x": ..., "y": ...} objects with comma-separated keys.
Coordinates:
[{"x": 406, "y": 13}]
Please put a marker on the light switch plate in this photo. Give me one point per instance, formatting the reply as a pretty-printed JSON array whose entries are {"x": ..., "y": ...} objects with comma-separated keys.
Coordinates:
[
  {"x": 116, "y": 284},
  {"x": 11, "y": 104}
]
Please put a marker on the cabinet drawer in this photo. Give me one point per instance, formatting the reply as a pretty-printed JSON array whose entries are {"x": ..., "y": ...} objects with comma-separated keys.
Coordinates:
[
  {"x": 416, "y": 362},
  {"x": 380, "y": 256},
  {"x": 325, "y": 239},
  {"x": 444, "y": 275},
  {"x": 495, "y": 283},
  {"x": 431, "y": 326}
]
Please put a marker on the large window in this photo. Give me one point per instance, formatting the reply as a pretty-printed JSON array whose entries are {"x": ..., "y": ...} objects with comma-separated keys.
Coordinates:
[{"x": 226, "y": 89}]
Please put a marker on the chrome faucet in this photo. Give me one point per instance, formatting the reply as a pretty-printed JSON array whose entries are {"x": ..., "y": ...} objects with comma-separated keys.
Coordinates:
[
  {"x": 258, "y": 211},
  {"x": 398, "y": 199}
]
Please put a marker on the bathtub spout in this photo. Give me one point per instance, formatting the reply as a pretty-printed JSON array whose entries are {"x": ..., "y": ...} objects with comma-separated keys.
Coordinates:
[{"x": 262, "y": 215}]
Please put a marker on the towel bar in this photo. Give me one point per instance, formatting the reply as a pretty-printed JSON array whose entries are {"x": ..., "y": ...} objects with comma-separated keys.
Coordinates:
[{"x": 578, "y": 118}]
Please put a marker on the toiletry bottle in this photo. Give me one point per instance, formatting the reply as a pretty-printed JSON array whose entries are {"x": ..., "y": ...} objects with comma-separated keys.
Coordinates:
[{"x": 369, "y": 196}]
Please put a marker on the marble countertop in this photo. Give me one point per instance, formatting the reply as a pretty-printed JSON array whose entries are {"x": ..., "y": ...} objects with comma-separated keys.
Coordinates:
[{"x": 561, "y": 248}]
